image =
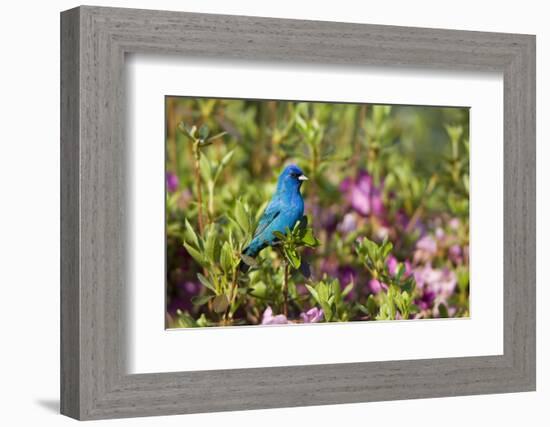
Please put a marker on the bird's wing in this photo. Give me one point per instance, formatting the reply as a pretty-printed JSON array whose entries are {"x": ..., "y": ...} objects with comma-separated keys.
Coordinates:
[{"x": 271, "y": 212}]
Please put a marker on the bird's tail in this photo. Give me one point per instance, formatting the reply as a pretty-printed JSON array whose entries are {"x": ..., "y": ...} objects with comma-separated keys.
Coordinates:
[{"x": 243, "y": 266}]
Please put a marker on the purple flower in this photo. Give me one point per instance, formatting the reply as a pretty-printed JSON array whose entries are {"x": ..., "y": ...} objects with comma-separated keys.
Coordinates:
[
  {"x": 376, "y": 286},
  {"x": 348, "y": 224},
  {"x": 437, "y": 285},
  {"x": 172, "y": 182},
  {"x": 329, "y": 266},
  {"x": 363, "y": 196},
  {"x": 313, "y": 315},
  {"x": 269, "y": 319},
  {"x": 454, "y": 223},
  {"x": 377, "y": 204},
  {"x": 428, "y": 244},
  {"x": 426, "y": 300},
  {"x": 301, "y": 289},
  {"x": 455, "y": 254},
  {"x": 392, "y": 264},
  {"x": 402, "y": 219},
  {"x": 426, "y": 248},
  {"x": 440, "y": 281},
  {"x": 346, "y": 275},
  {"x": 404, "y": 222}
]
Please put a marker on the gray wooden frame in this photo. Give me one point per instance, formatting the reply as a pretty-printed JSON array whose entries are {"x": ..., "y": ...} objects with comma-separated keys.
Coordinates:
[{"x": 94, "y": 41}]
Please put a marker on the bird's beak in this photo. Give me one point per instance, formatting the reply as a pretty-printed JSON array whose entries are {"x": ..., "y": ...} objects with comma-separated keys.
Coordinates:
[{"x": 303, "y": 177}]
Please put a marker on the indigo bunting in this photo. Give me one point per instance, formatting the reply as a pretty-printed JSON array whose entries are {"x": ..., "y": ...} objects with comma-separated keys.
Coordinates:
[{"x": 284, "y": 210}]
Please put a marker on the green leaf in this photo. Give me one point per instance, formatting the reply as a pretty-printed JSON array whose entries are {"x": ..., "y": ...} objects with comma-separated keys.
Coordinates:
[
  {"x": 314, "y": 293},
  {"x": 197, "y": 256},
  {"x": 259, "y": 290},
  {"x": 226, "y": 258},
  {"x": 327, "y": 311},
  {"x": 370, "y": 247},
  {"x": 301, "y": 123},
  {"x": 225, "y": 160},
  {"x": 279, "y": 235},
  {"x": 348, "y": 289},
  {"x": 242, "y": 217},
  {"x": 372, "y": 307},
  {"x": 362, "y": 308},
  {"x": 210, "y": 244},
  {"x": 399, "y": 272},
  {"x": 323, "y": 290},
  {"x": 190, "y": 234},
  {"x": 220, "y": 303},
  {"x": 206, "y": 282},
  {"x": 463, "y": 277},
  {"x": 201, "y": 299},
  {"x": 203, "y": 132},
  {"x": 217, "y": 136},
  {"x": 187, "y": 130},
  {"x": 443, "y": 312},
  {"x": 386, "y": 249},
  {"x": 184, "y": 320},
  {"x": 293, "y": 257},
  {"x": 202, "y": 321},
  {"x": 205, "y": 168},
  {"x": 309, "y": 239},
  {"x": 227, "y": 157}
]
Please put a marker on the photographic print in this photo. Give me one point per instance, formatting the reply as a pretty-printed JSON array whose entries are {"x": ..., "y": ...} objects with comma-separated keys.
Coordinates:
[{"x": 290, "y": 212}]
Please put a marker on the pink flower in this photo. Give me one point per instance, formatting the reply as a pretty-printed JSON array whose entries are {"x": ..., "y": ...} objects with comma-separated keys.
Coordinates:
[
  {"x": 426, "y": 248},
  {"x": 348, "y": 224},
  {"x": 269, "y": 319},
  {"x": 376, "y": 286},
  {"x": 437, "y": 285},
  {"x": 172, "y": 182},
  {"x": 440, "y": 281},
  {"x": 392, "y": 264},
  {"x": 426, "y": 299},
  {"x": 377, "y": 204},
  {"x": 313, "y": 315},
  {"x": 439, "y": 233},
  {"x": 363, "y": 196},
  {"x": 454, "y": 223},
  {"x": 301, "y": 289},
  {"x": 455, "y": 254}
]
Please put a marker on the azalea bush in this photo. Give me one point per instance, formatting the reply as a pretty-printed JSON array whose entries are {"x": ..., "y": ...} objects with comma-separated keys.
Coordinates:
[{"x": 385, "y": 233}]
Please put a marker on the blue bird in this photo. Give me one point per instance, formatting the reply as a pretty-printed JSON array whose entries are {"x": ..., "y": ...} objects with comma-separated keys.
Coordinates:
[{"x": 284, "y": 210}]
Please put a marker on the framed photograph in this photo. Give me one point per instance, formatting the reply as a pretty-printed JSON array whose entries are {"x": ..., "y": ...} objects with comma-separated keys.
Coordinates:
[{"x": 261, "y": 213}]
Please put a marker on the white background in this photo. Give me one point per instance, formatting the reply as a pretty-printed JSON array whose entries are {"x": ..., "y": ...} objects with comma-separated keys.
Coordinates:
[
  {"x": 152, "y": 349},
  {"x": 29, "y": 217}
]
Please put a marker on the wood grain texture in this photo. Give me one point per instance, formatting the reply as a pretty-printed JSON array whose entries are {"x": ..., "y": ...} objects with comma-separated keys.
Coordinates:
[
  {"x": 70, "y": 297},
  {"x": 94, "y": 382}
]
